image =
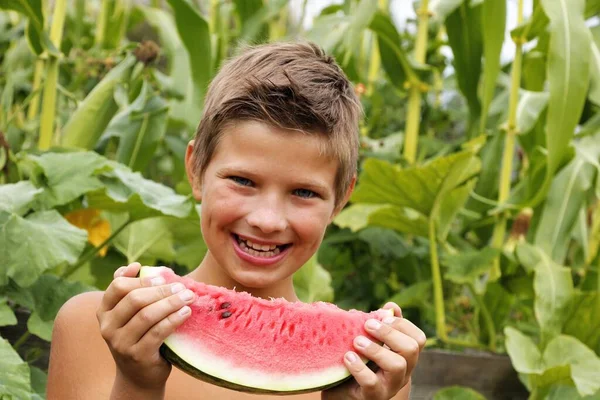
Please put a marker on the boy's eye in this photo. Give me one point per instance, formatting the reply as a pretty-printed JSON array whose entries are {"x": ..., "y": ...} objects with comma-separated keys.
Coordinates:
[
  {"x": 241, "y": 181},
  {"x": 305, "y": 193}
]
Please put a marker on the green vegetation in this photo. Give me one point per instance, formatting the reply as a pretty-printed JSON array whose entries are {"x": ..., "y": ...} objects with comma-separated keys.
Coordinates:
[{"x": 477, "y": 205}]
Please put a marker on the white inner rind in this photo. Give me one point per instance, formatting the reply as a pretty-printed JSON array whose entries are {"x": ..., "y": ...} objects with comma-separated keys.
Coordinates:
[{"x": 193, "y": 353}]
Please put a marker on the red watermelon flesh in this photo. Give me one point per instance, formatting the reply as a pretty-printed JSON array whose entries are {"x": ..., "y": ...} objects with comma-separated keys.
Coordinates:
[{"x": 235, "y": 340}]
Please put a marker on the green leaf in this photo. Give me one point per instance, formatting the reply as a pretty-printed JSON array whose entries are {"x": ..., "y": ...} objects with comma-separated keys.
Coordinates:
[
  {"x": 534, "y": 27},
  {"x": 594, "y": 93},
  {"x": 14, "y": 373},
  {"x": 93, "y": 114},
  {"x": 139, "y": 127},
  {"x": 39, "y": 382},
  {"x": 17, "y": 198},
  {"x": 313, "y": 283},
  {"x": 68, "y": 176},
  {"x": 254, "y": 28},
  {"x": 465, "y": 38},
  {"x": 440, "y": 9},
  {"x": 55, "y": 241},
  {"x": 530, "y": 108},
  {"x": 583, "y": 362},
  {"x": 50, "y": 292},
  {"x": 127, "y": 191},
  {"x": 566, "y": 197},
  {"x": 32, "y": 9},
  {"x": 356, "y": 216},
  {"x": 524, "y": 354},
  {"x": 400, "y": 219},
  {"x": 470, "y": 265},
  {"x": 416, "y": 295},
  {"x": 40, "y": 328},
  {"x": 493, "y": 17},
  {"x": 194, "y": 32},
  {"x": 583, "y": 321},
  {"x": 385, "y": 242},
  {"x": 561, "y": 392},
  {"x": 450, "y": 205},
  {"x": 146, "y": 241},
  {"x": 7, "y": 316},
  {"x": 458, "y": 393},
  {"x": 499, "y": 303}
]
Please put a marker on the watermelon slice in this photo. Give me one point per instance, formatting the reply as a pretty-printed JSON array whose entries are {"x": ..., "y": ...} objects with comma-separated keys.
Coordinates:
[{"x": 241, "y": 342}]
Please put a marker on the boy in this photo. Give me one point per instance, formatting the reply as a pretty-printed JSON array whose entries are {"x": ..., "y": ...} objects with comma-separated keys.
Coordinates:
[{"x": 273, "y": 162}]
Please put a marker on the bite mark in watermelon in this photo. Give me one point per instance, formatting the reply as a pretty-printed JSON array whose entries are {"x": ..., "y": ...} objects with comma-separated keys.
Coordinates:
[{"x": 241, "y": 342}]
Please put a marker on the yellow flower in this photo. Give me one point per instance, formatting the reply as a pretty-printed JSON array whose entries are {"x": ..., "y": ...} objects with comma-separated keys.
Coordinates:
[{"x": 98, "y": 229}]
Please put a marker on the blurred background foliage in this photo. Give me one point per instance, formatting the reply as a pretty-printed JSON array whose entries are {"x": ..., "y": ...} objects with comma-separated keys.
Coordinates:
[{"x": 476, "y": 208}]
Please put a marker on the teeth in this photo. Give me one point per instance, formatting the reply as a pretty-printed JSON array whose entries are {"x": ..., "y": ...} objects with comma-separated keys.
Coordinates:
[{"x": 259, "y": 250}]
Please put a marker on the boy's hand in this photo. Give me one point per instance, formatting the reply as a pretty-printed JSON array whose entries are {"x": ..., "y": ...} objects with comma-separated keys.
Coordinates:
[
  {"x": 396, "y": 362},
  {"x": 135, "y": 316}
]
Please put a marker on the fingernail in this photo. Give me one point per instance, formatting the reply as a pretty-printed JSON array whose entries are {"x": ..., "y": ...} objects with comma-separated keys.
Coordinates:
[
  {"x": 177, "y": 287},
  {"x": 120, "y": 271},
  {"x": 351, "y": 357},
  {"x": 373, "y": 324},
  {"x": 389, "y": 320},
  {"x": 362, "y": 341},
  {"x": 187, "y": 295},
  {"x": 157, "y": 281},
  {"x": 185, "y": 310}
]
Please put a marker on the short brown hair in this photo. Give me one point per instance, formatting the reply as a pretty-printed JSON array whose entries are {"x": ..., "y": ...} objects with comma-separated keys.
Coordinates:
[{"x": 291, "y": 86}]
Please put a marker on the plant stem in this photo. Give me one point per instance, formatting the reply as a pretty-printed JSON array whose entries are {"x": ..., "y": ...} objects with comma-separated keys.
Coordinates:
[
  {"x": 34, "y": 105},
  {"x": 91, "y": 253},
  {"x": 509, "y": 147},
  {"x": 21, "y": 340},
  {"x": 438, "y": 291},
  {"x": 49, "y": 96},
  {"x": 487, "y": 318},
  {"x": 411, "y": 135},
  {"x": 102, "y": 22}
]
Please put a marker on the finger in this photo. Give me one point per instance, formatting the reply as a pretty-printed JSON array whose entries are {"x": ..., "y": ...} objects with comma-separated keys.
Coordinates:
[
  {"x": 392, "y": 364},
  {"x": 395, "y": 307},
  {"x": 398, "y": 343},
  {"x": 408, "y": 328},
  {"x": 369, "y": 383},
  {"x": 121, "y": 286},
  {"x": 130, "y": 270},
  {"x": 136, "y": 304},
  {"x": 161, "y": 330}
]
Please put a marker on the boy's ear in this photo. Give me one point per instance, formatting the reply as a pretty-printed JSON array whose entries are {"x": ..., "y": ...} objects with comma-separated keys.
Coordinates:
[
  {"x": 341, "y": 205},
  {"x": 191, "y": 173}
]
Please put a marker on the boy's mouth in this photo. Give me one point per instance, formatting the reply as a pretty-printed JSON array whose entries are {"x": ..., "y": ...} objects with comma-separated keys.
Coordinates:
[{"x": 260, "y": 250}]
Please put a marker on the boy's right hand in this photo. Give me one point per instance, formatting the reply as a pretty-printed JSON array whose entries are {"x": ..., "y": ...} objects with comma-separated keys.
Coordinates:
[{"x": 136, "y": 315}]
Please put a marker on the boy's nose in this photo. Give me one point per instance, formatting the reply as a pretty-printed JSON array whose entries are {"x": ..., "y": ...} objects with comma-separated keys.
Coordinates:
[{"x": 269, "y": 218}]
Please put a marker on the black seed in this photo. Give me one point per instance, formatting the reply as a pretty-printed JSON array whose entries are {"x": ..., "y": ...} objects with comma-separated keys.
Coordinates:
[
  {"x": 225, "y": 305},
  {"x": 226, "y": 314},
  {"x": 210, "y": 308}
]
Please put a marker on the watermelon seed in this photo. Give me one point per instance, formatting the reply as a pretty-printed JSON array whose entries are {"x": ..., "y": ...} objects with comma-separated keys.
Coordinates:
[
  {"x": 225, "y": 305},
  {"x": 226, "y": 314},
  {"x": 282, "y": 328},
  {"x": 292, "y": 328},
  {"x": 272, "y": 325},
  {"x": 210, "y": 308}
]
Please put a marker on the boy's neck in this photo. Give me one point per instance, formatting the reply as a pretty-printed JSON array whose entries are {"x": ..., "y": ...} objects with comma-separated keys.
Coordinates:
[{"x": 210, "y": 273}]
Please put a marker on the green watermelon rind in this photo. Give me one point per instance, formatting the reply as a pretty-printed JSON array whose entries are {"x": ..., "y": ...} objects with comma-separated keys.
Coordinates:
[{"x": 181, "y": 364}]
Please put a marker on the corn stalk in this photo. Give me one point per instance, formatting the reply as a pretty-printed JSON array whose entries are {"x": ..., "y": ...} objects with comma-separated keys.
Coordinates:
[
  {"x": 509, "y": 146},
  {"x": 50, "y": 84},
  {"x": 415, "y": 92}
]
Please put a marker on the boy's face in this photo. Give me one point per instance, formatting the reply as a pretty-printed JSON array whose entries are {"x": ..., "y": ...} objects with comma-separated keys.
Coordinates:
[{"x": 267, "y": 196}]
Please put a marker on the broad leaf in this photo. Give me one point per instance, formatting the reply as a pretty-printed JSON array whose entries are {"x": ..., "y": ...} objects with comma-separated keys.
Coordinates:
[
  {"x": 17, "y": 198},
  {"x": 385, "y": 242},
  {"x": 416, "y": 295},
  {"x": 530, "y": 108},
  {"x": 566, "y": 197},
  {"x": 469, "y": 266},
  {"x": 146, "y": 241},
  {"x": 29, "y": 246},
  {"x": 457, "y": 393},
  {"x": 400, "y": 219},
  {"x": 356, "y": 216},
  {"x": 524, "y": 354},
  {"x": 561, "y": 392},
  {"x": 139, "y": 128},
  {"x": 583, "y": 321},
  {"x": 39, "y": 327},
  {"x": 7, "y": 316},
  {"x": 14, "y": 373},
  {"x": 126, "y": 191},
  {"x": 313, "y": 283},
  {"x": 50, "y": 292},
  {"x": 584, "y": 363},
  {"x": 594, "y": 93},
  {"x": 69, "y": 175},
  {"x": 36, "y": 36}
]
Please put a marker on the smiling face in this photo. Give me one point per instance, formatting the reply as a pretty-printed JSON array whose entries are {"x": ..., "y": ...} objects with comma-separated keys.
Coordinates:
[{"x": 267, "y": 197}]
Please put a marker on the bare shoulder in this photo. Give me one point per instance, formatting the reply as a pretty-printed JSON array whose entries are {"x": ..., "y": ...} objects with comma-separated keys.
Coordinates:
[{"x": 81, "y": 365}]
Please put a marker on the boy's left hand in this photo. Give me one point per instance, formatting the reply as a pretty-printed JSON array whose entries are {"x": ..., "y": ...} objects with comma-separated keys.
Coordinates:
[{"x": 396, "y": 362}]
